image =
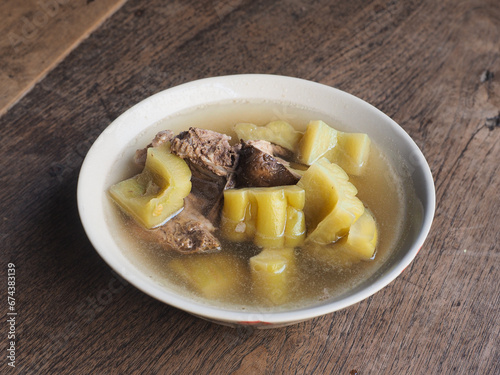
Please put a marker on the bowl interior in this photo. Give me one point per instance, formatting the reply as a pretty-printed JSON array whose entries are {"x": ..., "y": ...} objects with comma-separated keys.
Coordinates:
[{"x": 110, "y": 160}]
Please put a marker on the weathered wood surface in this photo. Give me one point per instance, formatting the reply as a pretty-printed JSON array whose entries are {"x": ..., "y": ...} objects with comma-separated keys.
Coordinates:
[
  {"x": 38, "y": 34},
  {"x": 433, "y": 66}
]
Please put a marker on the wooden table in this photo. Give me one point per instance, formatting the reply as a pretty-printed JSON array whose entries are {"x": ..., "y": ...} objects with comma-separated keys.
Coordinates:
[{"x": 433, "y": 66}]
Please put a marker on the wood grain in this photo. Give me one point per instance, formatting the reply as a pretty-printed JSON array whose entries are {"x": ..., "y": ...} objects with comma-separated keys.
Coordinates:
[
  {"x": 38, "y": 34},
  {"x": 432, "y": 66}
]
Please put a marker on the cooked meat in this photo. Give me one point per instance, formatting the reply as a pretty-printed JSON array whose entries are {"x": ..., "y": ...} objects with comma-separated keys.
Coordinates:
[
  {"x": 162, "y": 137},
  {"x": 140, "y": 157},
  {"x": 280, "y": 153},
  {"x": 188, "y": 232},
  {"x": 208, "y": 187},
  {"x": 159, "y": 139},
  {"x": 205, "y": 183},
  {"x": 207, "y": 149},
  {"x": 212, "y": 161},
  {"x": 258, "y": 167}
]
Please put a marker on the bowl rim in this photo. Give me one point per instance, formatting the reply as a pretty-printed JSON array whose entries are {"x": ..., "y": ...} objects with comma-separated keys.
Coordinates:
[{"x": 233, "y": 86}]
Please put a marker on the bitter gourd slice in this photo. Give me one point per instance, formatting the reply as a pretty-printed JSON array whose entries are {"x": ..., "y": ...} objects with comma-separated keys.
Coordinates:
[
  {"x": 351, "y": 152},
  {"x": 331, "y": 205},
  {"x": 271, "y": 217},
  {"x": 273, "y": 272},
  {"x": 362, "y": 238},
  {"x": 158, "y": 193},
  {"x": 316, "y": 141},
  {"x": 211, "y": 275},
  {"x": 277, "y": 132}
]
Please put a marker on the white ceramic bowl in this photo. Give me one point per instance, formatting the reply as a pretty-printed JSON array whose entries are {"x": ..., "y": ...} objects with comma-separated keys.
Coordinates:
[{"x": 108, "y": 161}]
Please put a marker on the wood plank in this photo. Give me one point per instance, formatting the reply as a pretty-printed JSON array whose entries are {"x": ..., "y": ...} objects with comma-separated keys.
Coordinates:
[{"x": 38, "y": 34}]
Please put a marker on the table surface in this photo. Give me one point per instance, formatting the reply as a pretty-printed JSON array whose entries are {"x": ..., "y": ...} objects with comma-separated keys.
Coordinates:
[
  {"x": 38, "y": 34},
  {"x": 433, "y": 66}
]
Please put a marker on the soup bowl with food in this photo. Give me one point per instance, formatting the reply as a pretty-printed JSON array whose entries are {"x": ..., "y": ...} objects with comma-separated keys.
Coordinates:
[{"x": 256, "y": 199}]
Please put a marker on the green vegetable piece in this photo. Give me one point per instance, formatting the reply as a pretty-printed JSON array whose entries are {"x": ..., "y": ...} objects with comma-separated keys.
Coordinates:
[
  {"x": 362, "y": 238},
  {"x": 332, "y": 256},
  {"x": 214, "y": 276},
  {"x": 316, "y": 141},
  {"x": 351, "y": 152},
  {"x": 273, "y": 274},
  {"x": 158, "y": 193},
  {"x": 271, "y": 217},
  {"x": 358, "y": 245},
  {"x": 277, "y": 132},
  {"x": 234, "y": 211},
  {"x": 295, "y": 229},
  {"x": 331, "y": 204}
]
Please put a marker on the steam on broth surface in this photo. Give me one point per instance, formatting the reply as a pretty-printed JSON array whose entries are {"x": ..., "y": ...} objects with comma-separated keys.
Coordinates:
[{"x": 317, "y": 278}]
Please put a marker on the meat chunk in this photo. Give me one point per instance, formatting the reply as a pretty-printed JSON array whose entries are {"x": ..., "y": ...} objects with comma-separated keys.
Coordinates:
[
  {"x": 162, "y": 137},
  {"x": 258, "y": 167},
  {"x": 279, "y": 152},
  {"x": 212, "y": 161},
  {"x": 207, "y": 149},
  {"x": 209, "y": 188},
  {"x": 188, "y": 232}
]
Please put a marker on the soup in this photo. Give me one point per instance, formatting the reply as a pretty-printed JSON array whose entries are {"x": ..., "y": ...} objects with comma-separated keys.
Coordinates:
[{"x": 317, "y": 275}]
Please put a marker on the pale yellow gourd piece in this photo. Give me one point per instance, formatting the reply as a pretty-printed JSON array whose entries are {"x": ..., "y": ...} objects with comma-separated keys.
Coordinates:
[
  {"x": 234, "y": 211},
  {"x": 277, "y": 132},
  {"x": 316, "y": 141},
  {"x": 295, "y": 229},
  {"x": 251, "y": 217},
  {"x": 362, "y": 238},
  {"x": 351, "y": 152},
  {"x": 295, "y": 196},
  {"x": 359, "y": 245},
  {"x": 214, "y": 276},
  {"x": 158, "y": 193},
  {"x": 273, "y": 273},
  {"x": 334, "y": 256},
  {"x": 271, "y": 216},
  {"x": 331, "y": 205}
]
